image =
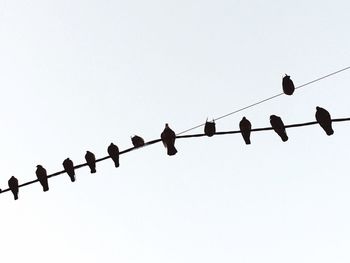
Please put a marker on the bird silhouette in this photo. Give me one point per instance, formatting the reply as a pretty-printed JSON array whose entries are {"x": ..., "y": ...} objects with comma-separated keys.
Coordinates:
[
  {"x": 13, "y": 184},
  {"x": 137, "y": 141},
  {"x": 245, "y": 126},
  {"x": 69, "y": 168},
  {"x": 324, "y": 119},
  {"x": 42, "y": 177},
  {"x": 287, "y": 85},
  {"x": 113, "y": 152},
  {"x": 278, "y": 127},
  {"x": 168, "y": 138},
  {"x": 209, "y": 128},
  {"x": 91, "y": 161}
]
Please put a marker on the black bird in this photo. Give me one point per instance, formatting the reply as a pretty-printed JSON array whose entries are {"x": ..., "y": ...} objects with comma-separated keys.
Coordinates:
[
  {"x": 278, "y": 127},
  {"x": 113, "y": 152},
  {"x": 209, "y": 128},
  {"x": 324, "y": 119},
  {"x": 42, "y": 177},
  {"x": 13, "y": 184},
  {"x": 287, "y": 85},
  {"x": 137, "y": 141},
  {"x": 245, "y": 126},
  {"x": 69, "y": 168},
  {"x": 168, "y": 138},
  {"x": 91, "y": 161}
]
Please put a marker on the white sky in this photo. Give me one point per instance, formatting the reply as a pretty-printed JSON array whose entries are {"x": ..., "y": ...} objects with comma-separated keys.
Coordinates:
[{"x": 77, "y": 75}]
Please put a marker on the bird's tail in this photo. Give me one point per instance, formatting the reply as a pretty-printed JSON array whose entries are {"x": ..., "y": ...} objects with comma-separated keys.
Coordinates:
[
  {"x": 329, "y": 131},
  {"x": 93, "y": 170},
  {"x": 46, "y": 188},
  {"x": 15, "y": 195},
  {"x": 246, "y": 140},
  {"x": 284, "y": 137},
  {"x": 72, "y": 178},
  {"x": 171, "y": 150},
  {"x": 116, "y": 162}
]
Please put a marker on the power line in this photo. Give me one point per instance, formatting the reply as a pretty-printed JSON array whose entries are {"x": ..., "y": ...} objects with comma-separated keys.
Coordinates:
[
  {"x": 267, "y": 99},
  {"x": 179, "y": 137}
]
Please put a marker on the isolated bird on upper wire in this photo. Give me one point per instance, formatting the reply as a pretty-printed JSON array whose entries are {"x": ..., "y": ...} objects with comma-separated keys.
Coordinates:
[
  {"x": 113, "y": 152},
  {"x": 245, "y": 126},
  {"x": 137, "y": 141},
  {"x": 278, "y": 126},
  {"x": 41, "y": 174},
  {"x": 209, "y": 128},
  {"x": 13, "y": 185},
  {"x": 91, "y": 161},
  {"x": 324, "y": 119},
  {"x": 287, "y": 85},
  {"x": 168, "y": 137},
  {"x": 69, "y": 168}
]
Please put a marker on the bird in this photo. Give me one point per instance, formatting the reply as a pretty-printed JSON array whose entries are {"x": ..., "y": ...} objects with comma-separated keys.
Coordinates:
[
  {"x": 42, "y": 177},
  {"x": 168, "y": 138},
  {"x": 324, "y": 119},
  {"x": 113, "y": 152},
  {"x": 245, "y": 126},
  {"x": 13, "y": 184},
  {"x": 91, "y": 161},
  {"x": 137, "y": 141},
  {"x": 209, "y": 128},
  {"x": 287, "y": 85},
  {"x": 278, "y": 127},
  {"x": 69, "y": 168}
]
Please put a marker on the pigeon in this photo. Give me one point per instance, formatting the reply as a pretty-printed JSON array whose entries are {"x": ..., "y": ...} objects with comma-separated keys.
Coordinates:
[
  {"x": 324, "y": 119},
  {"x": 278, "y": 127},
  {"x": 91, "y": 161},
  {"x": 13, "y": 184},
  {"x": 245, "y": 126},
  {"x": 42, "y": 177},
  {"x": 209, "y": 128},
  {"x": 137, "y": 141},
  {"x": 287, "y": 85},
  {"x": 113, "y": 152},
  {"x": 168, "y": 138},
  {"x": 69, "y": 168}
]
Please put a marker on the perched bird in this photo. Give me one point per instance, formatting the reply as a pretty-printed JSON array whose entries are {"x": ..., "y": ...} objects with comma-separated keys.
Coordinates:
[
  {"x": 245, "y": 126},
  {"x": 69, "y": 168},
  {"x": 168, "y": 138},
  {"x": 137, "y": 141},
  {"x": 278, "y": 127},
  {"x": 324, "y": 119},
  {"x": 287, "y": 85},
  {"x": 42, "y": 177},
  {"x": 113, "y": 152},
  {"x": 209, "y": 128},
  {"x": 91, "y": 161},
  {"x": 13, "y": 184}
]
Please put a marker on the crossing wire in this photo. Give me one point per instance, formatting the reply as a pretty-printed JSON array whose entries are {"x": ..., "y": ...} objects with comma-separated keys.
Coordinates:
[{"x": 267, "y": 99}]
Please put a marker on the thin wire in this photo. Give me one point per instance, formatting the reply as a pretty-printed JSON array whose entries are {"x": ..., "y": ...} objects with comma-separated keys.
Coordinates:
[
  {"x": 178, "y": 137},
  {"x": 264, "y": 100}
]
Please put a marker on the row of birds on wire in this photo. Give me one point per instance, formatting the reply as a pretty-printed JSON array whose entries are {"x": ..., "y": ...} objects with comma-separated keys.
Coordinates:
[{"x": 168, "y": 138}]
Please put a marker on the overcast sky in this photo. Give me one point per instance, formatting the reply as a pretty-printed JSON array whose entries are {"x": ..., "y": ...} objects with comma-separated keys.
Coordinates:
[{"x": 78, "y": 75}]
